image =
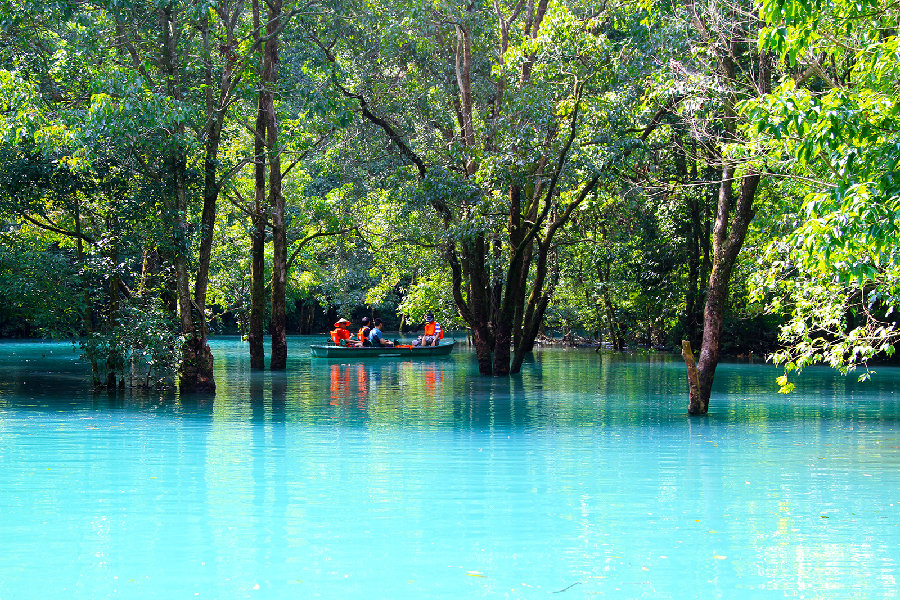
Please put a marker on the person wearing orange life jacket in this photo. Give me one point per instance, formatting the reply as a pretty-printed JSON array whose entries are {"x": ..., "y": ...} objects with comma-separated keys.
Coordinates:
[
  {"x": 433, "y": 333},
  {"x": 341, "y": 335},
  {"x": 363, "y": 333}
]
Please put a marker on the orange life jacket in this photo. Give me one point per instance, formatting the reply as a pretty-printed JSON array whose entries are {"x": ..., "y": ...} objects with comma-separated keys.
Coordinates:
[
  {"x": 339, "y": 334},
  {"x": 363, "y": 334},
  {"x": 430, "y": 327}
]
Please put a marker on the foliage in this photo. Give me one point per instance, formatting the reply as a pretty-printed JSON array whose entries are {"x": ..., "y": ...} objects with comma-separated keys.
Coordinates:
[
  {"x": 38, "y": 286},
  {"x": 832, "y": 125},
  {"x": 143, "y": 349},
  {"x": 428, "y": 147}
]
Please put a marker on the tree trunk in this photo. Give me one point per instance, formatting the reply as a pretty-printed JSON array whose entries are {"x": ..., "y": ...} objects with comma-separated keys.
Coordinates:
[
  {"x": 196, "y": 373},
  {"x": 727, "y": 242},
  {"x": 615, "y": 335},
  {"x": 255, "y": 335},
  {"x": 257, "y": 292},
  {"x": 696, "y": 404},
  {"x": 278, "y": 360},
  {"x": 115, "y": 361},
  {"x": 693, "y": 283},
  {"x": 196, "y": 367},
  {"x": 483, "y": 345}
]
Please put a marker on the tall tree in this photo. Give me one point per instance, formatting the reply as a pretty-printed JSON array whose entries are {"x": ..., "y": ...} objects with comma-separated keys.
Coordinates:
[
  {"x": 278, "y": 360},
  {"x": 504, "y": 96},
  {"x": 222, "y": 38},
  {"x": 727, "y": 32}
]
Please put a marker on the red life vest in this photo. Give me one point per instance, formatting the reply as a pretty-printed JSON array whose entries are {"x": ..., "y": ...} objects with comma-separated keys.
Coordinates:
[{"x": 339, "y": 334}]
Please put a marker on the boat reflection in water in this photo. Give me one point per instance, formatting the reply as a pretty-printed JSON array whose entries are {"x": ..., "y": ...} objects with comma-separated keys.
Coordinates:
[{"x": 359, "y": 384}]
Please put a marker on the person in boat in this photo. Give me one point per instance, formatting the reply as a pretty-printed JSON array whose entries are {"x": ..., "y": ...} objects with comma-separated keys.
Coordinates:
[
  {"x": 433, "y": 333},
  {"x": 341, "y": 334},
  {"x": 376, "y": 337},
  {"x": 363, "y": 333}
]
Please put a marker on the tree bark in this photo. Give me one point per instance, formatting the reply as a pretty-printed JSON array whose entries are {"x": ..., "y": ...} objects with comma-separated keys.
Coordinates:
[
  {"x": 727, "y": 237},
  {"x": 115, "y": 362},
  {"x": 278, "y": 360},
  {"x": 257, "y": 286},
  {"x": 256, "y": 333},
  {"x": 727, "y": 242},
  {"x": 697, "y": 407}
]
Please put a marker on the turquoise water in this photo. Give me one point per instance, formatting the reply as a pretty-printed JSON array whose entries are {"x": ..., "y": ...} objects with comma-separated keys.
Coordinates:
[{"x": 580, "y": 478}]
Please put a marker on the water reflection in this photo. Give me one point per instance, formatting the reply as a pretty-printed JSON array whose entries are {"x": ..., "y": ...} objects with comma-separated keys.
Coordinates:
[{"x": 422, "y": 479}]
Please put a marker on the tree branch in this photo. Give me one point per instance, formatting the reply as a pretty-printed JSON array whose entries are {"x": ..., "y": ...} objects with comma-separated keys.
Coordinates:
[
  {"x": 55, "y": 229},
  {"x": 310, "y": 238}
]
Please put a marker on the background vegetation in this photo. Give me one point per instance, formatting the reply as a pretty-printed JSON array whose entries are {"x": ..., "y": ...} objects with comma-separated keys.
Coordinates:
[{"x": 638, "y": 173}]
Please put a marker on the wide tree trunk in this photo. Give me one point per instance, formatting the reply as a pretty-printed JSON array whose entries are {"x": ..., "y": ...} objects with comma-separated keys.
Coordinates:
[{"x": 483, "y": 349}]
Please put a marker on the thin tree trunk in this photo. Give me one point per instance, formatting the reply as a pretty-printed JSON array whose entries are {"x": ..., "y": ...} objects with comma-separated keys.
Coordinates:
[
  {"x": 278, "y": 360},
  {"x": 88, "y": 317},
  {"x": 114, "y": 359},
  {"x": 727, "y": 242},
  {"x": 256, "y": 333},
  {"x": 257, "y": 292}
]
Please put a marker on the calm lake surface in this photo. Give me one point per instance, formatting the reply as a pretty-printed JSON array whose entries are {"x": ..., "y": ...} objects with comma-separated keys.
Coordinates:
[{"x": 580, "y": 478}]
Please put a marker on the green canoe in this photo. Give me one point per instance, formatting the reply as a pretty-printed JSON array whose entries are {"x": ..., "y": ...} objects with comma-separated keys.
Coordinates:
[{"x": 383, "y": 352}]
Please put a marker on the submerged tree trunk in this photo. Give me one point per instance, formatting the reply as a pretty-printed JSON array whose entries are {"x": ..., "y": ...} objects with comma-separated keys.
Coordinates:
[
  {"x": 278, "y": 360},
  {"x": 727, "y": 242},
  {"x": 255, "y": 336},
  {"x": 258, "y": 271},
  {"x": 115, "y": 361},
  {"x": 696, "y": 402},
  {"x": 196, "y": 373},
  {"x": 732, "y": 217}
]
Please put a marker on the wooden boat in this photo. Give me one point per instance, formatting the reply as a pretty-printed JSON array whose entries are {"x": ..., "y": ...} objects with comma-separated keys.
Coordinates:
[{"x": 403, "y": 351}]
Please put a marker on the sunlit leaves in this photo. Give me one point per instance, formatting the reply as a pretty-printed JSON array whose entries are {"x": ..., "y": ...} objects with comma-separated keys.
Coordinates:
[{"x": 835, "y": 123}]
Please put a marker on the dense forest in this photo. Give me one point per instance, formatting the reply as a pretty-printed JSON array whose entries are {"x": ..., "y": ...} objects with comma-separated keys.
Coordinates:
[{"x": 719, "y": 172}]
